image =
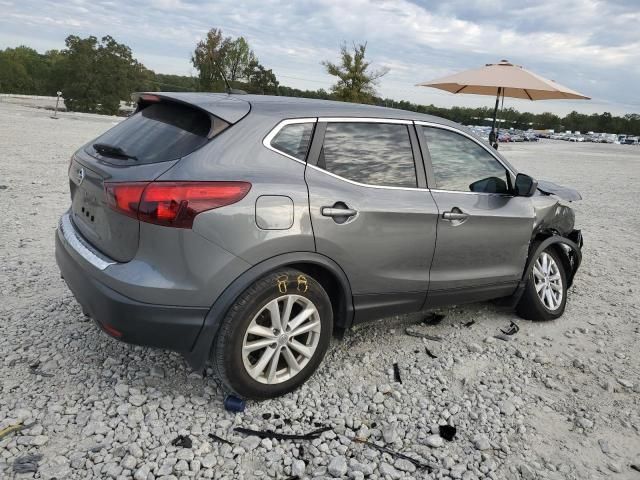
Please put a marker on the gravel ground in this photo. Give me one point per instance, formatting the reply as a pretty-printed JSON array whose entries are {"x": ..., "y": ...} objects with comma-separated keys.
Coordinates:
[{"x": 559, "y": 400}]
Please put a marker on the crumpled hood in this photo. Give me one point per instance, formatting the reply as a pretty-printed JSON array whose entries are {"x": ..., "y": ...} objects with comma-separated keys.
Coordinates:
[{"x": 565, "y": 193}]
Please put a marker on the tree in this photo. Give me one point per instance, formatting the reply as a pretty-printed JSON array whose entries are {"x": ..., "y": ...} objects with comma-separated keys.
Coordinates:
[
  {"x": 221, "y": 60},
  {"x": 260, "y": 80},
  {"x": 356, "y": 81},
  {"x": 95, "y": 75}
]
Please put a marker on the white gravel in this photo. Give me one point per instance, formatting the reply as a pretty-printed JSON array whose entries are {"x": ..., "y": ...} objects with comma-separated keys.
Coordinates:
[{"x": 560, "y": 400}]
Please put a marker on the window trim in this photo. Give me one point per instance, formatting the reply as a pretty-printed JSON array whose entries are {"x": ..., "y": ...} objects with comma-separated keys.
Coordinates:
[
  {"x": 275, "y": 130},
  {"x": 426, "y": 156}
]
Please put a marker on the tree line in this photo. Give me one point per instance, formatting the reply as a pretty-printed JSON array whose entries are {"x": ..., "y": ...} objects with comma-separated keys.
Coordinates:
[{"x": 94, "y": 75}]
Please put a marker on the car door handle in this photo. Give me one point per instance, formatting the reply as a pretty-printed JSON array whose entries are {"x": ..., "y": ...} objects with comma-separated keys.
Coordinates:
[
  {"x": 338, "y": 212},
  {"x": 455, "y": 214}
]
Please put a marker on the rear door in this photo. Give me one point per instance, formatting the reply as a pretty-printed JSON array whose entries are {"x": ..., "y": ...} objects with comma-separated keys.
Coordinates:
[
  {"x": 138, "y": 149},
  {"x": 483, "y": 230},
  {"x": 371, "y": 212}
]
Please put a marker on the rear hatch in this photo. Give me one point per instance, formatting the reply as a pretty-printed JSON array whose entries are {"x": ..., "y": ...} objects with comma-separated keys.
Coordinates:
[{"x": 138, "y": 149}]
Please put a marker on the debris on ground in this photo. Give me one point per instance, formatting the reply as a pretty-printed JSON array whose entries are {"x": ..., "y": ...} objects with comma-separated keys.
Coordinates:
[
  {"x": 468, "y": 324},
  {"x": 512, "y": 330},
  {"x": 393, "y": 453},
  {"x": 33, "y": 368},
  {"x": 215, "y": 437},
  {"x": 503, "y": 337},
  {"x": 415, "y": 333},
  {"x": 447, "y": 432},
  {"x": 429, "y": 353},
  {"x": 396, "y": 373},
  {"x": 27, "y": 463},
  {"x": 234, "y": 404},
  {"x": 433, "y": 319},
  {"x": 182, "y": 441},
  {"x": 13, "y": 428},
  {"x": 282, "y": 436}
]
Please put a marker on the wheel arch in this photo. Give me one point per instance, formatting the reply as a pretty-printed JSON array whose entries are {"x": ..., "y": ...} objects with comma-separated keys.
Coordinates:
[{"x": 323, "y": 269}]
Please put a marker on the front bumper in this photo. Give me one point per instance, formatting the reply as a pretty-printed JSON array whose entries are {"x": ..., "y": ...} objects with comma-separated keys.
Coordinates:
[{"x": 162, "y": 326}]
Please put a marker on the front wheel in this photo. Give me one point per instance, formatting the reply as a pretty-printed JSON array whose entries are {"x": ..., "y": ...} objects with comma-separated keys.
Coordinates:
[
  {"x": 545, "y": 294},
  {"x": 275, "y": 335}
]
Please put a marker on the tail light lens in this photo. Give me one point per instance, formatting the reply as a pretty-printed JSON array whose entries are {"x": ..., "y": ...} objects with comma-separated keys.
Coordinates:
[{"x": 172, "y": 204}]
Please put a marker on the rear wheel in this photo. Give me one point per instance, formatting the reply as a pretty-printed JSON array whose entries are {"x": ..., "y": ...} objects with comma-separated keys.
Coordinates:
[
  {"x": 275, "y": 335},
  {"x": 545, "y": 294}
]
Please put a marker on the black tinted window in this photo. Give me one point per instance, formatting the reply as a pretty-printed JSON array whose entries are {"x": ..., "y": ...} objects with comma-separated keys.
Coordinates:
[
  {"x": 370, "y": 153},
  {"x": 460, "y": 164},
  {"x": 294, "y": 139},
  {"x": 162, "y": 131}
]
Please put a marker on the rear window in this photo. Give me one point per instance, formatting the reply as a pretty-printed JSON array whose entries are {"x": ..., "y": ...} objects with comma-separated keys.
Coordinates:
[{"x": 160, "y": 132}]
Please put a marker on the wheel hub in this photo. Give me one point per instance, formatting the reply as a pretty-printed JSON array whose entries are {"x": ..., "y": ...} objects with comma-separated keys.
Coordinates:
[{"x": 548, "y": 281}]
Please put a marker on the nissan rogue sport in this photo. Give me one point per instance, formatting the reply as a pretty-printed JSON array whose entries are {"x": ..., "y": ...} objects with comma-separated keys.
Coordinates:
[{"x": 241, "y": 230}]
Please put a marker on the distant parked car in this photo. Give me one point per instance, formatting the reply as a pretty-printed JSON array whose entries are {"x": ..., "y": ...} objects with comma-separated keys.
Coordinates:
[
  {"x": 504, "y": 137},
  {"x": 631, "y": 141},
  {"x": 241, "y": 229}
]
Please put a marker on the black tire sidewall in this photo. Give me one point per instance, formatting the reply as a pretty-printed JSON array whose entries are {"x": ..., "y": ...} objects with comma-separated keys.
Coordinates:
[
  {"x": 230, "y": 340},
  {"x": 531, "y": 306}
]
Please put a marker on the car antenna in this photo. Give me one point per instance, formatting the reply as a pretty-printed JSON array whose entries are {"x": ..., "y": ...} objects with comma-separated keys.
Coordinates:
[{"x": 228, "y": 88}]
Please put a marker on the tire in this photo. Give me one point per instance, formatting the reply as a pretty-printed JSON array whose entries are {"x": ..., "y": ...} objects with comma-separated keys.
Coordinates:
[
  {"x": 531, "y": 306},
  {"x": 238, "y": 360}
]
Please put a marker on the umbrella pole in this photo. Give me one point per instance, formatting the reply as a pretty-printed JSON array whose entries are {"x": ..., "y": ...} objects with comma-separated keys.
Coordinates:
[{"x": 493, "y": 139}]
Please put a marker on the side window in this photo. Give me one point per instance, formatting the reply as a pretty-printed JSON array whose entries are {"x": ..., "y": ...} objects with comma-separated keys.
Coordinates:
[
  {"x": 460, "y": 164},
  {"x": 294, "y": 139},
  {"x": 369, "y": 153}
]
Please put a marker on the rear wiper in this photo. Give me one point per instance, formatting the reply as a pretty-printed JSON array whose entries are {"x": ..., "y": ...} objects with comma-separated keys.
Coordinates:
[{"x": 112, "y": 151}]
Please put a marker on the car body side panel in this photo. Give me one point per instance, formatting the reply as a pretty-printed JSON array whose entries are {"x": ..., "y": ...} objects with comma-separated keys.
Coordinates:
[
  {"x": 488, "y": 248},
  {"x": 238, "y": 155}
]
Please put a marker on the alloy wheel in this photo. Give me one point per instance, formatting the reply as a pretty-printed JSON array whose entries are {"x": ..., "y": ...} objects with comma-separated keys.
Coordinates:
[
  {"x": 548, "y": 281},
  {"x": 281, "y": 339}
]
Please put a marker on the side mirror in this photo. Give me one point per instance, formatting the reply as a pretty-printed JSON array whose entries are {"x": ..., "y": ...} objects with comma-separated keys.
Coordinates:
[{"x": 525, "y": 185}]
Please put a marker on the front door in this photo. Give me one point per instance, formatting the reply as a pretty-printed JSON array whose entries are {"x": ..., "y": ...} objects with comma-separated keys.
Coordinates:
[
  {"x": 371, "y": 212},
  {"x": 483, "y": 230}
]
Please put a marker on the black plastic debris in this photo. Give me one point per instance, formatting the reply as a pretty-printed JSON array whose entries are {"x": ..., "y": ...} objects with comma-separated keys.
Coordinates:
[
  {"x": 215, "y": 437},
  {"x": 396, "y": 373},
  {"x": 503, "y": 337},
  {"x": 468, "y": 324},
  {"x": 429, "y": 353},
  {"x": 636, "y": 467},
  {"x": 234, "y": 404},
  {"x": 415, "y": 333},
  {"x": 27, "y": 463},
  {"x": 182, "y": 441},
  {"x": 393, "y": 453},
  {"x": 266, "y": 416},
  {"x": 447, "y": 432},
  {"x": 512, "y": 330},
  {"x": 433, "y": 319},
  {"x": 282, "y": 436}
]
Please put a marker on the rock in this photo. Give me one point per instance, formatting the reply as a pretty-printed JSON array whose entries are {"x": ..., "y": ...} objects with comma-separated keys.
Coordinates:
[
  {"x": 625, "y": 383},
  {"x": 137, "y": 400},
  {"x": 142, "y": 473},
  {"x": 250, "y": 443},
  {"x": 507, "y": 408},
  {"x": 475, "y": 348},
  {"x": 404, "y": 465},
  {"x": 526, "y": 472},
  {"x": 434, "y": 441},
  {"x": 338, "y": 466},
  {"x": 604, "y": 446},
  {"x": 39, "y": 440},
  {"x": 122, "y": 390},
  {"x": 378, "y": 397},
  {"x": 614, "y": 467},
  {"x": 585, "y": 423},
  {"x": 481, "y": 442},
  {"x": 129, "y": 462},
  {"x": 390, "y": 435},
  {"x": 388, "y": 470},
  {"x": 298, "y": 468}
]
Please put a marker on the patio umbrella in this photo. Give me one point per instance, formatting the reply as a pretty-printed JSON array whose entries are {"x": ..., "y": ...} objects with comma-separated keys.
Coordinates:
[{"x": 504, "y": 79}]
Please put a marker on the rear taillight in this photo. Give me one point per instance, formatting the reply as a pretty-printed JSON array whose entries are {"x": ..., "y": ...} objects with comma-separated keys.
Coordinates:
[{"x": 173, "y": 204}]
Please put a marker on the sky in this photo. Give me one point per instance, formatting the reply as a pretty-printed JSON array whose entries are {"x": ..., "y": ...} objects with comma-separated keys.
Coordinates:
[{"x": 591, "y": 46}]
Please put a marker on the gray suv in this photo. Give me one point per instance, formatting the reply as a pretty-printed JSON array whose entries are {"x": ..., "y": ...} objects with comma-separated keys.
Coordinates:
[{"x": 243, "y": 230}]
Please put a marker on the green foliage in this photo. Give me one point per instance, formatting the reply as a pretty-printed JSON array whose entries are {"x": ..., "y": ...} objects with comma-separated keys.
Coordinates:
[
  {"x": 356, "y": 81},
  {"x": 95, "y": 75},
  {"x": 221, "y": 60},
  {"x": 25, "y": 71}
]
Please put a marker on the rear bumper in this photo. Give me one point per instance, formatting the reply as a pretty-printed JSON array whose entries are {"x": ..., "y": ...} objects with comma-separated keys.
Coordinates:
[{"x": 163, "y": 326}]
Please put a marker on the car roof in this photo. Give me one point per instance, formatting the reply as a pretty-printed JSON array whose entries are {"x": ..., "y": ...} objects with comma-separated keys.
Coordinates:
[{"x": 230, "y": 107}]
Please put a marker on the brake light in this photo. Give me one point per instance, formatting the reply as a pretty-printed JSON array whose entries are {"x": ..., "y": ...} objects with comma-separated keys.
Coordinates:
[{"x": 172, "y": 204}]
